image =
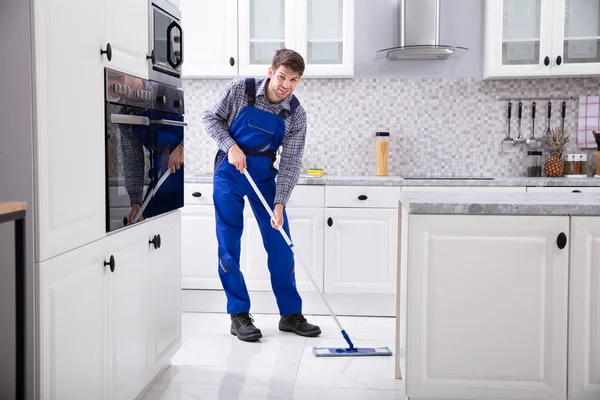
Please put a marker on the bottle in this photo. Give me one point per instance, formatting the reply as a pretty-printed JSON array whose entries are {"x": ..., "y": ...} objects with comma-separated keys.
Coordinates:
[
  {"x": 568, "y": 164},
  {"x": 576, "y": 164},
  {"x": 382, "y": 145},
  {"x": 584, "y": 168},
  {"x": 534, "y": 164}
]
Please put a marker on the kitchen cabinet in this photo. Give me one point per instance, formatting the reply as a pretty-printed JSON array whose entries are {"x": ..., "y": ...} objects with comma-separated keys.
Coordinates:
[
  {"x": 322, "y": 31},
  {"x": 127, "y": 33},
  {"x": 110, "y": 313},
  {"x": 176, "y": 3},
  {"x": 541, "y": 38},
  {"x": 487, "y": 307},
  {"x": 584, "y": 303},
  {"x": 70, "y": 190}
]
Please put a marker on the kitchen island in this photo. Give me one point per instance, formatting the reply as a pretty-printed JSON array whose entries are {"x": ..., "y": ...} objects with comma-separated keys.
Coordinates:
[{"x": 498, "y": 295}]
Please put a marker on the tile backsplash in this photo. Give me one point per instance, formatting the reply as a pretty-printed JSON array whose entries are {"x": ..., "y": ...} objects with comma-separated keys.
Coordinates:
[{"x": 438, "y": 127}]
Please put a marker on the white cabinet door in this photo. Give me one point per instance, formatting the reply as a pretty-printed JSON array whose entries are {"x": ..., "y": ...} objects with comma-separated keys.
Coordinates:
[
  {"x": 360, "y": 250},
  {"x": 518, "y": 38},
  {"x": 487, "y": 298},
  {"x": 584, "y": 320},
  {"x": 263, "y": 27},
  {"x": 325, "y": 36},
  {"x": 210, "y": 29},
  {"x": 165, "y": 289},
  {"x": 307, "y": 234},
  {"x": 73, "y": 334},
  {"x": 69, "y": 130},
  {"x": 576, "y": 41},
  {"x": 127, "y": 33},
  {"x": 128, "y": 305},
  {"x": 200, "y": 251}
]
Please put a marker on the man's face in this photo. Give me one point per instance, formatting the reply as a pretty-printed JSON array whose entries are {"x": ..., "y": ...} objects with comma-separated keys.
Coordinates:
[{"x": 283, "y": 82}]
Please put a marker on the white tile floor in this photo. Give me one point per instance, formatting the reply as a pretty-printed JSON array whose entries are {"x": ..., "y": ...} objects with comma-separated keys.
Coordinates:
[{"x": 213, "y": 364}]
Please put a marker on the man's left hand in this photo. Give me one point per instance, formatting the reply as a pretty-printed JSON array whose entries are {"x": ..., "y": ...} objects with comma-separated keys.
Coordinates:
[
  {"x": 278, "y": 212},
  {"x": 176, "y": 159}
]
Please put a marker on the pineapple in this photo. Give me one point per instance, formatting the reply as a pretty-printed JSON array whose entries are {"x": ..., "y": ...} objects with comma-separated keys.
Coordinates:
[{"x": 555, "y": 142}]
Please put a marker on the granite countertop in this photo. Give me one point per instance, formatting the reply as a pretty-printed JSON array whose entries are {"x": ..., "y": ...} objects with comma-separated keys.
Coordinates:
[
  {"x": 501, "y": 204},
  {"x": 399, "y": 181}
]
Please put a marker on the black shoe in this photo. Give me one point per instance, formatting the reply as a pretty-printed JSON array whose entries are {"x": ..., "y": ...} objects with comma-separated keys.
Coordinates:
[
  {"x": 298, "y": 324},
  {"x": 242, "y": 326}
]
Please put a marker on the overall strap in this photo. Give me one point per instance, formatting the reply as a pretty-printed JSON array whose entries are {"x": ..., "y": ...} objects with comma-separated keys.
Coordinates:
[
  {"x": 294, "y": 103},
  {"x": 251, "y": 91}
]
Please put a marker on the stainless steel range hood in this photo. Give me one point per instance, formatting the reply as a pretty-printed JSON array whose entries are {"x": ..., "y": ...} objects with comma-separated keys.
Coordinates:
[{"x": 419, "y": 33}]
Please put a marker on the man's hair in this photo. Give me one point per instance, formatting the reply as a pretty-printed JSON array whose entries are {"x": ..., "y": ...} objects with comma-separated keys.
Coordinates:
[{"x": 289, "y": 59}]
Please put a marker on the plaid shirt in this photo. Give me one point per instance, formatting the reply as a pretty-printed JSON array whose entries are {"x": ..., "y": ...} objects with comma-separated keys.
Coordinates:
[{"x": 220, "y": 116}]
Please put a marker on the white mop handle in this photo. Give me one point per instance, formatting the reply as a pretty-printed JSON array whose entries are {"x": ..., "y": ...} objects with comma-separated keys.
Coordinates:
[{"x": 289, "y": 242}]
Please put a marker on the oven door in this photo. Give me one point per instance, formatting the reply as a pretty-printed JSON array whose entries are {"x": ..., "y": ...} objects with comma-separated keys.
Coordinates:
[
  {"x": 140, "y": 144},
  {"x": 166, "y": 42}
]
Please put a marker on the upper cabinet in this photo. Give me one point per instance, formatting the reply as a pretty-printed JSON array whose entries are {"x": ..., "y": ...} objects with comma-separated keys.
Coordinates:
[
  {"x": 525, "y": 38},
  {"x": 238, "y": 38}
]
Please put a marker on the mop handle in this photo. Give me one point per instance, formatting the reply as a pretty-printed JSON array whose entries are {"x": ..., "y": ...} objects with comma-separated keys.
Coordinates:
[{"x": 290, "y": 244}]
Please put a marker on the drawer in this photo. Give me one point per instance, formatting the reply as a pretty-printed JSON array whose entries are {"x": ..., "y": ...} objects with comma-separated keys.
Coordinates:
[
  {"x": 564, "y": 189},
  {"x": 307, "y": 196},
  {"x": 362, "y": 196},
  {"x": 198, "y": 193},
  {"x": 465, "y": 189}
]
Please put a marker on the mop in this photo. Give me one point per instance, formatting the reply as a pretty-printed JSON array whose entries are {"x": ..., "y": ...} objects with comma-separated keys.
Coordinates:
[{"x": 323, "y": 351}]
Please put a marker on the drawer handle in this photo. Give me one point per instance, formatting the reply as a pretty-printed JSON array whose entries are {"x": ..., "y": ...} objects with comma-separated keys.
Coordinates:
[
  {"x": 576, "y": 191},
  {"x": 197, "y": 194},
  {"x": 329, "y": 221},
  {"x": 561, "y": 240},
  {"x": 110, "y": 263},
  {"x": 362, "y": 197},
  {"x": 155, "y": 242}
]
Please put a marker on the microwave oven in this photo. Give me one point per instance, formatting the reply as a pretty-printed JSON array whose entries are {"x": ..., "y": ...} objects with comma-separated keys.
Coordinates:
[{"x": 166, "y": 43}]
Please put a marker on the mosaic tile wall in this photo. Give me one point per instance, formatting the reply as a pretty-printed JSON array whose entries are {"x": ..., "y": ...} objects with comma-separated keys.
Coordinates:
[{"x": 438, "y": 127}]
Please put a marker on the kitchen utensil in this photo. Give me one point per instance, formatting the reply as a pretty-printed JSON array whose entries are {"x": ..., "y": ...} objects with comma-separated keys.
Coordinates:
[
  {"x": 520, "y": 139},
  {"x": 549, "y": 117},
  {"x": 508, "y": 144},
  {"x": 321, "y": 351},
  {"x": 563, "y": 112},
  {"x": 532, "y": 142}
]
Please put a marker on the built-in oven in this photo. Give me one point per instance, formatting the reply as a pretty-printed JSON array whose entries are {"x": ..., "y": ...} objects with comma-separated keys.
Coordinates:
[
  {"x": 166, "y": 43},
  {"x": 144, "y": 140}
]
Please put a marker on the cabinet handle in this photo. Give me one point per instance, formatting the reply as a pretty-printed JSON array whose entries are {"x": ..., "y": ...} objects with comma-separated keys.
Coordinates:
[
  {"x": 362, "y": 197},
  {"x": 159, "y": 241},
  {"x": 108, "y": 51},
  {"x": 561, "y": 240},
  {"x": 152, "y": 57},
  {"x": 576, "y": 191},
  {"x": 558, "y": 60},
  {"x": 547, "y": 61},
  {"x": 110, "y": 263},
  {"x": 155, "y": 241},
  {"x": 231, "y": 61},
  {"x": 197, "y": 194},
  {"x": 329, "y": 221}
]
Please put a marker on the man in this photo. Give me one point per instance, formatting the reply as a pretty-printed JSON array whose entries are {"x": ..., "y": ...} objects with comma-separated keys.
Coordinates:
[{"x": 249, "y": 121}]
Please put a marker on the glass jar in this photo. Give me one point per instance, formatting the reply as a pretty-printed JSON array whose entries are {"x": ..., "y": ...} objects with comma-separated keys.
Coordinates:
[
  {"x": 534, "y": 163},
  {"x": 382, "y": 145},
  {"x": 568, "y": 164},
  {"x": 583, "y": 161}
]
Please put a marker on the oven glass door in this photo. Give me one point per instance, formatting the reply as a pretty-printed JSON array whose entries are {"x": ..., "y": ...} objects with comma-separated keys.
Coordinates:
[
  {"x": 168, "y": 42},
  {"x": 139, "y": 146}
]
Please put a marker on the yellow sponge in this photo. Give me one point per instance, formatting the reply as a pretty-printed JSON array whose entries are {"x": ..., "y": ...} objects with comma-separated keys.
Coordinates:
[{"x": 315, "y": 172}]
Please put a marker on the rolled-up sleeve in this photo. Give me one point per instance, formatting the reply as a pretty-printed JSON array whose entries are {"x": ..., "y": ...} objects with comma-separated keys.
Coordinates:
[
  {"x": 216, "y": 116},
  {"x": 291, "y": 157}
]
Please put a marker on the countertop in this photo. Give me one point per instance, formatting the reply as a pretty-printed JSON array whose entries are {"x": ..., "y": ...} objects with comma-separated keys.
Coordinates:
[
  {"x": 9, "y": 207},
  {"x": 501, "y": 204},
  {"x": 400, "y": 181}
]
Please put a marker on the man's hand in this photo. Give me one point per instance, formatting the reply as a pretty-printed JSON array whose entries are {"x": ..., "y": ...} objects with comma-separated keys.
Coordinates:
[
  {"x": 278, "y": 212},
  {"x": 237, "y": 158},
  {"x": 135, "y": 207},
  {"x": 176, "y": 159}
]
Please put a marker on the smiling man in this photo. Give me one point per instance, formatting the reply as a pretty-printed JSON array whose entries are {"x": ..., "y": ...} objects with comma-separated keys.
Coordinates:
[{"x": 249, "y": 121}]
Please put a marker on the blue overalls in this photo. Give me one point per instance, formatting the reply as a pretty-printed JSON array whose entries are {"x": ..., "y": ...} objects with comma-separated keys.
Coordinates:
[{"x": 259, "y": 134}]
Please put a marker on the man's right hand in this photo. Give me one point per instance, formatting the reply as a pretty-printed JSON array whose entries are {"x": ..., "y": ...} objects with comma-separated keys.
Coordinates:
[
  {"x": 135, "y": 207},
  {"x": 237, "y": 158}
]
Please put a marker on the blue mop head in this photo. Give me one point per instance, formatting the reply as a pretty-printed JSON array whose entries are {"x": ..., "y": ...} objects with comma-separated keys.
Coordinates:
[{"x": 351, "y": 352}]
